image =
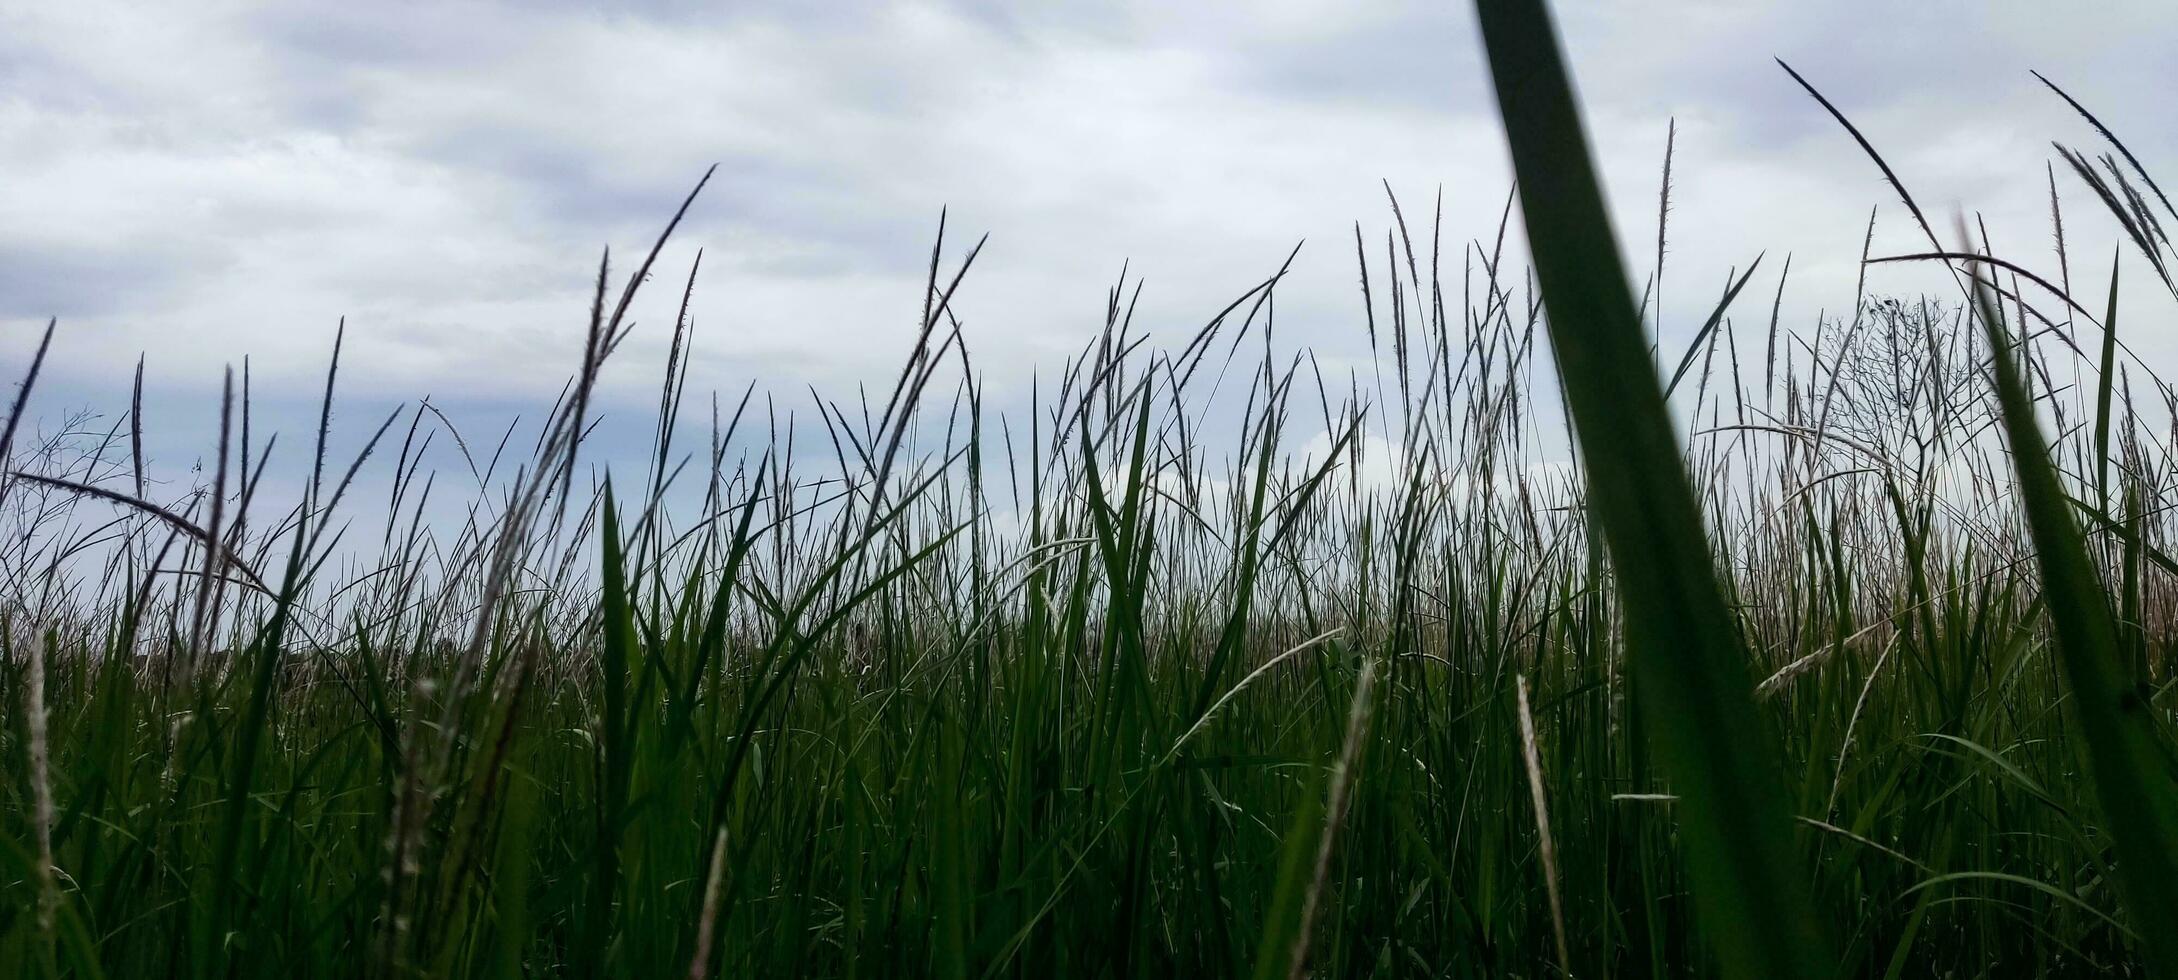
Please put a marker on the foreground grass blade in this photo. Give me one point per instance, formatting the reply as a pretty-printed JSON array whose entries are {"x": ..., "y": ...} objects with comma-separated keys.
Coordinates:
[
  {"x": 1688, "y": 668},
  {"x": 2131, "y": 766}
]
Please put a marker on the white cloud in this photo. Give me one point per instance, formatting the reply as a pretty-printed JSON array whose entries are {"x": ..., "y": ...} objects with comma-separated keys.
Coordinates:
[{"x": 209, "y": 180}]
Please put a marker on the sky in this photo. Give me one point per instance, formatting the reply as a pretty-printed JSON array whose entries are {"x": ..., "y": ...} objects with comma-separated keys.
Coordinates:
[{"x": 202, "y": 182}]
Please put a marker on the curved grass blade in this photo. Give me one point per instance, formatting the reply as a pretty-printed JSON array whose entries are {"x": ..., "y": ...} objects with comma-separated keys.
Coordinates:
[
  {"x": 1709, "y": 326},
  {"x": 2131, "y": 766},
  {"x": 1689, "y": 671}
]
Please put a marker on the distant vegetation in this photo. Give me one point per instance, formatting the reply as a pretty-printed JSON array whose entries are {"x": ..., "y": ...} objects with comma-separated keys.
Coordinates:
[{"x": 1215, "y": 662}]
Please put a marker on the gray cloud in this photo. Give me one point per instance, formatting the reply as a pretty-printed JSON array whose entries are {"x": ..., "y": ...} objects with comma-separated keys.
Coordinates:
[{"x": 207, "y": 181}]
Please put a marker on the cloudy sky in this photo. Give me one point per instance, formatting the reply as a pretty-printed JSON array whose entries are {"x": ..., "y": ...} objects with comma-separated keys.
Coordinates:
[{"x": 202, "y": 181}]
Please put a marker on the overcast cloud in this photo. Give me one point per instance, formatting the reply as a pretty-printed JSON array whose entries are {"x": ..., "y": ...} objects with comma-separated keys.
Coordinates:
[{"x": 206, "y": 180}]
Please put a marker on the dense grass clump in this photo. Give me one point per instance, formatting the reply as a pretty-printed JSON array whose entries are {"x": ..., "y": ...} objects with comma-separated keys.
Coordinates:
[{"x": 1214, "y": 660}]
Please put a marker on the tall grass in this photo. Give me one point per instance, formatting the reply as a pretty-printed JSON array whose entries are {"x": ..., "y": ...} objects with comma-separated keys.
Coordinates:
[{"x": 1212, "y": 659}]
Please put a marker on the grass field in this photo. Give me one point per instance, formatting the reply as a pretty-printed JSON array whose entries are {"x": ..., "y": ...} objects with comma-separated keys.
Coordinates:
[{"x": 1214, "y": 661}]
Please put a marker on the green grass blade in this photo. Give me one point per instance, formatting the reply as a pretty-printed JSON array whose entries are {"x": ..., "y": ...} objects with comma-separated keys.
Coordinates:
[
  {"x": 2131, "y": 765},
  {"x": 1296, "y": 853},
  {"x": 1688, "y": 668},
  {"x": 619, "y": 637},
  {"x": 1709, "y": 326},
  {"x": 2105, "y": 379}
]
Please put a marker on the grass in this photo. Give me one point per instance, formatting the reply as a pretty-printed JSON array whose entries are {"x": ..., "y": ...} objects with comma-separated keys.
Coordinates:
[{"x": 1854, "y": 672}]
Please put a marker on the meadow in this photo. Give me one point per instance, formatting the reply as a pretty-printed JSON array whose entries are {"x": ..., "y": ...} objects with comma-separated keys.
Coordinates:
[{"x": 1856, "y": 660}]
